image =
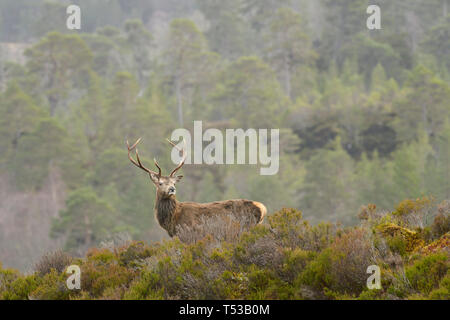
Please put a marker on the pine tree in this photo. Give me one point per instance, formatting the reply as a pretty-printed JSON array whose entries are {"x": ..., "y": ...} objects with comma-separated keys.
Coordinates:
[
  {"x": 422, "y": 104},
  {"x": 139, "y": 41},
  {"x": 188, "y": 61},
  {"x": 58, "y": 62},
  {"x": 250, "y": 94},
  {"x": 38, "y": 152},
  {"x": 373, "y": 182},
  {"x": 438, "y": 166},
  {"x": 85, "y": 222},
  {"x": 227, "y": 33},
  {"x": 288, "y": 46},
  {"x": 409, "y": 169},
  {"x": 329, "y": 181},
  {"x": 18, "y": 116}
]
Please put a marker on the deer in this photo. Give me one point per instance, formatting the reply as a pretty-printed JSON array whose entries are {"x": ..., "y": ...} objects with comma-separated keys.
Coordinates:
[{"x": 172, "y": 214}]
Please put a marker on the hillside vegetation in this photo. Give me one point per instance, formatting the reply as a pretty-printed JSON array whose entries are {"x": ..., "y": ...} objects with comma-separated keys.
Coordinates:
[
  {"x": 363, "y": 115},
  {"x": 284, "y": 258}
]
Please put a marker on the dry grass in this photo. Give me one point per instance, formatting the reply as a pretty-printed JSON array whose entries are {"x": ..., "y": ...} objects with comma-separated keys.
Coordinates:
[
  {"x": 352, "y": 254},
  {"x": 57, "y": 260},
  {"x": 222, "y": 228}
]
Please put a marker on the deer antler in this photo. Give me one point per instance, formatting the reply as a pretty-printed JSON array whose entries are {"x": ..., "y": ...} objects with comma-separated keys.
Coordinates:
[
  {"x": 183, "y": 156},
  {"x": 138, "y": 163}
]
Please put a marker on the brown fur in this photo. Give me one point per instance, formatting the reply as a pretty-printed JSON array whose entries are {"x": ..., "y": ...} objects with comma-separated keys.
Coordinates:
[{"x": 171, "y": 213}]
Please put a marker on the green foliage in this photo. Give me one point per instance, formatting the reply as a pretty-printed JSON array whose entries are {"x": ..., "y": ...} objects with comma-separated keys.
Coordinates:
[
  {"x": 409, "y": 165},
  {"x": 189, "y": 63},
  {"x": 283, "y": 259},
  {"x": 363, "y": 117},
  {"x": 20, "y": 288},
  {"x": 18, "y": 116},
  {"x": 7, "y": 277},
  {"x": 400, "y": 240},
  {"x": 86, "y": 218},
  {"x": 342, "y": 266},
  {"x": 52, "y": 286},
  {"x": 436, "y": 44},
  {"x": 57, "y": 62},
  {"x": 38, "y": 153},
  {"x": 329, "y": 172},
  {"x": 443, "y": 292},
  {"x": 426, "y": 273},
  {"x": 423, "y": 104},
  {"x": 227, "y": 34},
  {"x": 441, "y": 224},
  {"x": 250, "y": 94},
  {"x": 288, "y": 47}
]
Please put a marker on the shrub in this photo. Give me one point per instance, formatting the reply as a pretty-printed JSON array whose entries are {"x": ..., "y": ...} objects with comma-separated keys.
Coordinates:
[
  {"x": 441, "y": 244},
  {"x": 134, "y": 254},
  {"x": 286, "y": 258},
  {"x": 373, "y": 294},
  {"x": 184, "y": 271},
  {"x": 103, "y": 277},
  {"x": 441, "y": 223},
  {"x": 292, "y": 231},
  {"x": 400, "y": 240},
  {"x": 57, "y": 260},
  {"x": 295, "y": 261},
  {"x": 7, "y": 277},
  {"x": 443, "y": 292},
  {"x": 425, "y": 274},
  {"x": 145, "y": 288},
  {"x": 51, "y": 287},
  {"x": 414, "y": 213},
  {"x": 21, "y": 288},
  {"x": 316, "y": 276},
  {"x": 342, "y": 267},
  {"x": 221, "y": 228},
  {"x": 367, "y": 212},
  {"x": 262, "y": 251}
]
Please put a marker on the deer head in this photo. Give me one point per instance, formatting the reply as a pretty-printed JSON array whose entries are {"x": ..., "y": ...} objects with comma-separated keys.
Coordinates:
[{"x": 165, "y": 185}]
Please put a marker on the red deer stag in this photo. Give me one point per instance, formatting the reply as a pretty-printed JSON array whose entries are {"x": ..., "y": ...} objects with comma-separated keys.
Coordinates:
[{"x": 172, "y": 214}]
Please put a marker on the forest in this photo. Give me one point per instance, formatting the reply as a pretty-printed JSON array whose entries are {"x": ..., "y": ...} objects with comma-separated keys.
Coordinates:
[{"x": 364, "y": 119}]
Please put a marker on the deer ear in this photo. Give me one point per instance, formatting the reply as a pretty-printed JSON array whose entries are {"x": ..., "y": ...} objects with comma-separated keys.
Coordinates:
[
  {"x": 179, "y": 178},
  {"x": 153, "y": 177}
]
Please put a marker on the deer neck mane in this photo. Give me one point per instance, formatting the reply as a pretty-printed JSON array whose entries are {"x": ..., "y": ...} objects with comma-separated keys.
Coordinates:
[{"x": 164, "y": 210}]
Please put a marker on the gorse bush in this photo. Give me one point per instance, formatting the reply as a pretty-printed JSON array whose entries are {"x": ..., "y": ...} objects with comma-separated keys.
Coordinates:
[{"x": 283, "y": 258}]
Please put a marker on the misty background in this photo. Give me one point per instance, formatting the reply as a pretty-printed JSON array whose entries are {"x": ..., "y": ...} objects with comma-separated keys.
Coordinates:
[{"x": 364, "y": 115}]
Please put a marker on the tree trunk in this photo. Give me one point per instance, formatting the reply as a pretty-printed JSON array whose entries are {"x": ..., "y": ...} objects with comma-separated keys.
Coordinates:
[
  {"x": 287, "y": 76},
  {"x": 88, "y": 234},
  {"x": 425, "y": 119}
]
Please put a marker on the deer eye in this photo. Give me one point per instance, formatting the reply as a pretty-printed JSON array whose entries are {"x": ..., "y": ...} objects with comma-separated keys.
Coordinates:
[{"x": 160, "y": 183}]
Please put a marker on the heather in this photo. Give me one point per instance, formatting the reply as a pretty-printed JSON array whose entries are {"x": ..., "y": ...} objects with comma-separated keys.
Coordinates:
[{"x": 284, "y": 258}]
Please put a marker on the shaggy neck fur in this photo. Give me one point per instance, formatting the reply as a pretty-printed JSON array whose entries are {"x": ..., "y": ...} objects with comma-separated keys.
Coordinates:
[{"x": 165, "y": 208}]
